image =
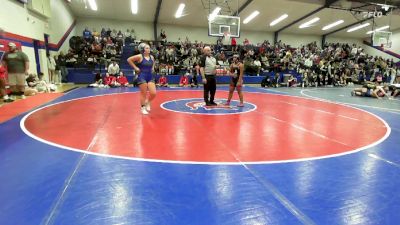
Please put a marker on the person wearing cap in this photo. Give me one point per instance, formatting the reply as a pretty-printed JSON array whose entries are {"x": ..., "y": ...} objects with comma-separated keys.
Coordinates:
[
  {"x": 236, "y": 72},
  {"x": 17, "y": 64},
  {"x": 208, "y": 66}
]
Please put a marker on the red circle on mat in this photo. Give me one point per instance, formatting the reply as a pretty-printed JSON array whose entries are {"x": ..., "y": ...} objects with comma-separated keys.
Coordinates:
[{"x": 281, "y": 128}]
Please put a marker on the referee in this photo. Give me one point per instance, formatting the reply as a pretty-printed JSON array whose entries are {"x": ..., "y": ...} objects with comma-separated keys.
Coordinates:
[{"x": 208, "y": 66}]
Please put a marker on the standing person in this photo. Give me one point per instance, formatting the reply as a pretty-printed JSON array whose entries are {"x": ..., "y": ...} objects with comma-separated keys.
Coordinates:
[
  {"x": 17, "y": 64},
  {"x": 146, "y": 79},
  {"x": 236, "y": 71},
  {"x": 208, "y": 65},
  {"x": 51, "y": 65},
  {"x": 61, "y": 62}
]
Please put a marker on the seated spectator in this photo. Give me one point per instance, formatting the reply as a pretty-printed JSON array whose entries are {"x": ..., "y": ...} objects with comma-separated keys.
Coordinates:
[
  {"x": 96, "y": 48},
  {"x": 170, "y": 54},
  {"x": 98, "y": 81},
  {"x": 257, "y": 65},
  {"x": 87, "y": 35},
  {"x": 193, "y": 79},
  {"x": 43, "y": 86},
  {"x": 163, "y": 69},
  {"x": 113, "y": 68},
  {"x": 32, "y": 82},
  {"x": 91, "y": 62},
  {"x": 170, "y": 69},
  {"x": 122, "y": 80},
  {"x": 184, "y": 81},
  {"x": 292, "y": 81},
  {"x": 108, "y": 80},
  {"x": 103, "y": 33},
  {"x": 162, "y": 82}
]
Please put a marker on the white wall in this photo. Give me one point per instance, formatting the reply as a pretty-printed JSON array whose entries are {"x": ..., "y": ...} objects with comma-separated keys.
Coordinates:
[
  {"x": 296, "y": 40},
  {"x": 331, "y": 39},
  {"x": 143, "y": 30},
  {"x": 396, "y": 42},
  {"x": 17, "y": 19}
]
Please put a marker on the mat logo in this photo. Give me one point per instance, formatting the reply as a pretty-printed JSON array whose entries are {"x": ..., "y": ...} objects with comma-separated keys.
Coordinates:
[
  {"x": 198, "y": 106},
  {"x": 195, "y": 105}
]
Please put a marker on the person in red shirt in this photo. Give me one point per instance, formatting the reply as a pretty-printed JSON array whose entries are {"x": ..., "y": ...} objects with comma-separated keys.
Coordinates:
[
  {"x": 184, "y": 81},
  {"x": 162, "y": 82},
  {"x": 122, "y": 80},
  {"x": 234, "y": 45},
  {"x": 109, "y": 80},
  {"x": 3, "y": 82}
]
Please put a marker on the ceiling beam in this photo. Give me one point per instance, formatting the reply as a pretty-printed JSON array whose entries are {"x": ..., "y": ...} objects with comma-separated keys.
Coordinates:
[
  {"x": 301, "y": 18},
  {"x": 242, "y": 8},
  {"x": 326, "y": 5},
  {"x": 156, "y": 15}
]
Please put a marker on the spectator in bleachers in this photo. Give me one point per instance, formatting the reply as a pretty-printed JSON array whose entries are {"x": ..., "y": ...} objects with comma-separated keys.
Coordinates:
[
  {"x": 91, "y": 62},
  {"x": 292, "y": 81},
  {"x": 257, "y": 65},
  {"x": 163, "y": 36},
  {"x": 113, "y": 68},
  {"x": 96, "y": 48},
  {"x": 234, "y": 45},
  {"x": 170, "y": 69},
  {"x": 170, "y": 54},
  {"x": 87, "y": 35}
]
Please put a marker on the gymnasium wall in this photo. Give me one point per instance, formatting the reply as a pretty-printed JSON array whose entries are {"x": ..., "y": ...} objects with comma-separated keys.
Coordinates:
[{"x": 24, "y": 26}]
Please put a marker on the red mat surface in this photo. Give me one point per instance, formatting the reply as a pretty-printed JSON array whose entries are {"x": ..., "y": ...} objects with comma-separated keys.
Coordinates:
[
  {"x": 11, "y": 110},
  {"x": 282, "y": 128}
]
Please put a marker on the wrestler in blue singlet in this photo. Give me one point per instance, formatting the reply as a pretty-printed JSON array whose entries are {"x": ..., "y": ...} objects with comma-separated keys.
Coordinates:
[{"x": 146, "y": 71}]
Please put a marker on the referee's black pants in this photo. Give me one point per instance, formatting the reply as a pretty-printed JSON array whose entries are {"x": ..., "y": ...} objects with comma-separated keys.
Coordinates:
[{"x": 209, "y": 89}]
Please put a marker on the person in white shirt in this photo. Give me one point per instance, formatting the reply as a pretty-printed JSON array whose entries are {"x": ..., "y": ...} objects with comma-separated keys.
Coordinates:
[
  {"x": 257, "y": 63},
  {"x": 51, "y": 65},
  {"x": 113, "y": 68}
]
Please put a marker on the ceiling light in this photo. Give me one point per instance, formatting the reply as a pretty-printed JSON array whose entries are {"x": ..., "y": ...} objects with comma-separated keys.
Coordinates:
[
  {"x": 358, "y": 27},
  {"x": 252, "y": 16},
  {"x": 179, "y": 12},
  {"x": 378, "y": 29},
  {"x": 329, "y": 26},
  {"x": 134, "y": 6},
  {"x": 214, "y": 14},
  {"x": 276, "y": 21},
  {"x": 382, "y": 28},
  {"x": 93, "y": 5},
  {"x": 308, "y": 23}
]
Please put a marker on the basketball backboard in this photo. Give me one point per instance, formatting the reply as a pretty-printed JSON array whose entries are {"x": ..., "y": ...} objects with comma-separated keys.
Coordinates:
[
  {"x": 382, "y": 39},
  {"x": 221, "y": 24}
]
